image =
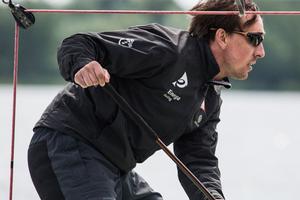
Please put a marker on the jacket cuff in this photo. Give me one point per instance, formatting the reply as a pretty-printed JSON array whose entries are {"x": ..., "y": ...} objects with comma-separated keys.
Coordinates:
[{"x": 216, "y": 194}]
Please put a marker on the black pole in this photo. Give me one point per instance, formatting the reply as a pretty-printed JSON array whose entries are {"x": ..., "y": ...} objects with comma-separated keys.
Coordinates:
[{"x": 123, "y": 104}]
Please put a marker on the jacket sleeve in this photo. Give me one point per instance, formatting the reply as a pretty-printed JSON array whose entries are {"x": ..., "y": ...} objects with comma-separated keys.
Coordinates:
[
  {"x": 197, "y": 151},
  {"x": 133, "y": 53}
]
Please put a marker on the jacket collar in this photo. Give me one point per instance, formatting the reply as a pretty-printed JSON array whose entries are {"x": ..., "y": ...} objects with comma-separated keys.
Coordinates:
[{"x": 212, "y": 67}]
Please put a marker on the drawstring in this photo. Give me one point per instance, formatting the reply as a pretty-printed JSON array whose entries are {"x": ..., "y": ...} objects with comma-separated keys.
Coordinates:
[{"x": 225, "y": 83}]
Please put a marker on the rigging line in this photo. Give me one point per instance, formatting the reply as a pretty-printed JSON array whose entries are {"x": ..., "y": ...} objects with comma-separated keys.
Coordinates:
[
  {"x": 163, "y": 12},
  {"x": 15, "y": 80},
  {"x": 241, "y": 6}
]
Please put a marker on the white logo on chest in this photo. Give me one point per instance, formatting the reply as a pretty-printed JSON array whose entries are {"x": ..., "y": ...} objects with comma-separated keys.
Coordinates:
[
  {"x": 170, "y": 95},
  {"x": 198, "y": 121},
  {"x": 181, "y": 82},
  {"x": 127, "y": 42}
]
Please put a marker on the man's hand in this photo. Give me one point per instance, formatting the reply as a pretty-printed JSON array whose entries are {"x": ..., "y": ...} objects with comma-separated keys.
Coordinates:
[{"x": 92, "y": 74}]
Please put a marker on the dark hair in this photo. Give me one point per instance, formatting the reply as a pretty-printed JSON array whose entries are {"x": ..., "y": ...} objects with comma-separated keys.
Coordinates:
[{"x": 201, "y": 24}]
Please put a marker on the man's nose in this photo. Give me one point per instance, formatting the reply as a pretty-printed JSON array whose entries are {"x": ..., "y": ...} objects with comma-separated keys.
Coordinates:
[{"x": 260, "y": 51}]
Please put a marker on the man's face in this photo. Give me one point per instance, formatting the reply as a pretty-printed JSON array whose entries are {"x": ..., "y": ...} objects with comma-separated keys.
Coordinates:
[{"x": 240, "y": 55}]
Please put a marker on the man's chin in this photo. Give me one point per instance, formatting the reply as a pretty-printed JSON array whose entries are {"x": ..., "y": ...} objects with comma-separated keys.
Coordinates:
[{"x": 240, "y": 77}]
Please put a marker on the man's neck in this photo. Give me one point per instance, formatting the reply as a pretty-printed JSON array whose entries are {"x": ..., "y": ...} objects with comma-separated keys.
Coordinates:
[{"x": 219, "y": 59}]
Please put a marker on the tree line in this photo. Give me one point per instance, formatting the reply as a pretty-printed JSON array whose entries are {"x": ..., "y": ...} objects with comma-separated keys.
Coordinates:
[{"x": 279, "y": 70}]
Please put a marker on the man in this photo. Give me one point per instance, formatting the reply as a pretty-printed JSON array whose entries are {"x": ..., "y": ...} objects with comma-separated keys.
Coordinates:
[{"x": 85, "y": 147}]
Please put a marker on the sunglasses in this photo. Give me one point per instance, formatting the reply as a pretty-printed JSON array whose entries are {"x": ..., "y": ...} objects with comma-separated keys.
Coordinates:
[{"x": 255, "y": 39}]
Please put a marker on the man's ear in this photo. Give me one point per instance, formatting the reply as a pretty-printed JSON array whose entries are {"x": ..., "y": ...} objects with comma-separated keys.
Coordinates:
[{"x": 221, "y": 38}]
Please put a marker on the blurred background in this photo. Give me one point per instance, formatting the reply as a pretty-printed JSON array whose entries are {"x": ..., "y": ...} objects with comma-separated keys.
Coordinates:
[
  {"x": 259, "y": 132},
  {"x": 279, "y": 70}
]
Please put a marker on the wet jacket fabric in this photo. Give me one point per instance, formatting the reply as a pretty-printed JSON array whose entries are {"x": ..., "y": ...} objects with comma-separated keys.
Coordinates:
[{"x": 165, "y": 75}]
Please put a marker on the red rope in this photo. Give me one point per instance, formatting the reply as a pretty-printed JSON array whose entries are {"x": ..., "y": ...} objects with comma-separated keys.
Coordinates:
[
  {"x": 16, "y": 49},
  {"x": 162, "y": 12},
  {"x": 15, "y": 79}
]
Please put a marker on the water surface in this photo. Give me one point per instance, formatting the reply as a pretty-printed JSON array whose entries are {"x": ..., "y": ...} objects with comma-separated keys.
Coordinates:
[{"x": 258, "y": 145}]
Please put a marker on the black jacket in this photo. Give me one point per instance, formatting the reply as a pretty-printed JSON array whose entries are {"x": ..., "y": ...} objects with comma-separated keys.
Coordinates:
[{"x": 165, "y": 75}]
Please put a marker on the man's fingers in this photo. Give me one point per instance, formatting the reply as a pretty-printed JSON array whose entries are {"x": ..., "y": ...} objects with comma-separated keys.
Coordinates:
[
  {"x": 87, "y": 79},
  {"x": 79, "y": 80},
  {"x": 92, "y": 78},
  {"x": 83, "y": 78},
  {"x": 102, "y": 75},
  {"x": 92, "y": 74},
  {"x": 106, "y": 76}
]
